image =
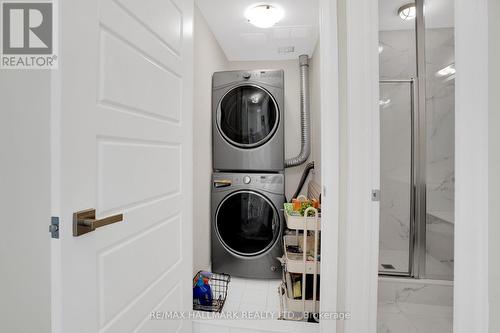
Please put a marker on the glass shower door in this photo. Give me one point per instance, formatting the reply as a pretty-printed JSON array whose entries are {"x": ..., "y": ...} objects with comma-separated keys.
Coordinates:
[
  {"x": 396, "y": 176},
  {"x": 417, "y": 175}
]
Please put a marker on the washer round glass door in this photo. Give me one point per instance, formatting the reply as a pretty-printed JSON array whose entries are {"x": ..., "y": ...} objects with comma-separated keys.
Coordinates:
[
  {"x": 247, "y": 223},
  {"x": 247, "y": 116}
]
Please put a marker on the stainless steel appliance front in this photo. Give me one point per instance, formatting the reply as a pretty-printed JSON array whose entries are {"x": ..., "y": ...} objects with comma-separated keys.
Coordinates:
[
  {"x": 247, "y": 224},
  {"x": 247, "y": 125}
]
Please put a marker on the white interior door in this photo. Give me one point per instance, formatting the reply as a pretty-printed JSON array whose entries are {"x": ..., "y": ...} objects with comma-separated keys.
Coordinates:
[{"x": 125, "y": 148}]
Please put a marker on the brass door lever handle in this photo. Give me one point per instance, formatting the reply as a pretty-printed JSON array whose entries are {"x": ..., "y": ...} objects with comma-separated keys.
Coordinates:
[{"x": 84, "y": 221}]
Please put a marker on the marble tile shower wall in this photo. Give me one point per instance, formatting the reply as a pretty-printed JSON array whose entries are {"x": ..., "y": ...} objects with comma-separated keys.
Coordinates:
[{"x": 398, "y": 61}]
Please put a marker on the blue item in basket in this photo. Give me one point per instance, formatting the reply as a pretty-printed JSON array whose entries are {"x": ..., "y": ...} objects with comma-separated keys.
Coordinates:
[{"x": 202, "y": 292}]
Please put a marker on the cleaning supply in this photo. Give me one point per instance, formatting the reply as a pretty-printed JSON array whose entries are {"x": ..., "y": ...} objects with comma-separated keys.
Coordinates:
[
  {"x": 296, "y": 204},
  {"x": 202, "y": 292},
  {"x": 315, "y": 203}
]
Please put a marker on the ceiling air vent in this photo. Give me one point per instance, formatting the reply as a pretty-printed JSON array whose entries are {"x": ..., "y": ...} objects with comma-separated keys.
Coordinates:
[
  {"x": 286, "y": 49},
  {"x": 387, "y": 266}
]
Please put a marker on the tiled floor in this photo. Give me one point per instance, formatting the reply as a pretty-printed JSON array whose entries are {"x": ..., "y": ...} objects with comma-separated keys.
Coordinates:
[
  {"x": 249, "y": 295},
  {"x": 414, "y": 318},
  {"x": 398, "y": 259},
  {"x": 252, "y": 295}
]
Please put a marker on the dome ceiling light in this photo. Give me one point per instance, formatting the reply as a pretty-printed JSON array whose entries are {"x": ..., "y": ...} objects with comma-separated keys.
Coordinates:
[
  {"x": 383, "y": 103},
  {"x": 447, "y": 71},
  {"x": 407, "y": 12},
  {"x": 264, "y": 16}
]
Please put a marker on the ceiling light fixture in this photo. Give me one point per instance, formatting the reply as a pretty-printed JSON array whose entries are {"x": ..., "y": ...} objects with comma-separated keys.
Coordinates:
[
  {"x": 264, "y": 16},
  {"x": 407, "y": 12},
  {"x": 384, "y": 102},
  {"x": 448, "y": 70},
  {"x": 286, "y": 49}
]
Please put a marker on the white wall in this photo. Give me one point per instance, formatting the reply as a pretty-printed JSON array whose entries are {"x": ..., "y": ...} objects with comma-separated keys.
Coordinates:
[
  {"x": 208, "y": 58},
  {"x": 25, "y": 200},
  {"x": 494, "y": 165},
  {"x": 315, "y": 90},
  {"x": 292, "y": 113}
]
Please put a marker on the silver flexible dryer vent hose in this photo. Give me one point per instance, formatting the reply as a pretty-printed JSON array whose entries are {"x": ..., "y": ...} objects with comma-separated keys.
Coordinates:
[{"x": 305, "y": 121}]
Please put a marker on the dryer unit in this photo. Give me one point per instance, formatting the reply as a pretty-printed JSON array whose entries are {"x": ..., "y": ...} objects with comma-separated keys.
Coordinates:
[
  {"x": 247, "y": 224},
  {"x": 247, "y": 120}
]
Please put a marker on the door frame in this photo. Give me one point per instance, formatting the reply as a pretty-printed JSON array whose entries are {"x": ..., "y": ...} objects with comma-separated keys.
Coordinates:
[
  {"x": 472, "y": 126},
  {"x": 330, "y": 167},
  {"x": 470, "y": 311},
  {"x": 360, "y": 75},
  {"x": 359, "y": 144}
]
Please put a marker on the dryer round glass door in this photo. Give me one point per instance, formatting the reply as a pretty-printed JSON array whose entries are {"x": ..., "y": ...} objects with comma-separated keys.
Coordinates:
[
  {"x": 247, "y": 116},
  {"x": 247, "y": 223}
]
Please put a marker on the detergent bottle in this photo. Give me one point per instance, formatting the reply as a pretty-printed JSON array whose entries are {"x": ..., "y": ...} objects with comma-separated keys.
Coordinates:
[{"x": 202, "y": 292}]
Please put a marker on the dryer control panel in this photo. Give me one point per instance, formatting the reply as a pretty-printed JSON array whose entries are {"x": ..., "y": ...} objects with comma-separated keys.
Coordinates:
[
  {"x": 270, "y": 182},
  {"x": 272, "y": 77}
]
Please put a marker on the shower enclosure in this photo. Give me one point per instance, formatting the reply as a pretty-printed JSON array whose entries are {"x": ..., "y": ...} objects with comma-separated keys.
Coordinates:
[{"x": 416, "y": 48}]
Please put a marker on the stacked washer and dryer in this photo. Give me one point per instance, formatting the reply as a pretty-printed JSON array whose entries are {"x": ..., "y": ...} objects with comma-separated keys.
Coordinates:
[{"x": 248, "y": 185}]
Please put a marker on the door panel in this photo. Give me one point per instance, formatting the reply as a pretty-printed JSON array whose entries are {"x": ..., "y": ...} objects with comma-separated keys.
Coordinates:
[
  {"x": 167, "y": 27},
  {"x": 130, "y": 79},
  {"x": 126, "y": 147},
  {"x": 118, "y": 286},
  {"x": 121, "y": 166}
]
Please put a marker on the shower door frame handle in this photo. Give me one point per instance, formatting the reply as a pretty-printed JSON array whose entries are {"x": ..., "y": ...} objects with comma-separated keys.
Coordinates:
[{"x": 419, "y": 269}]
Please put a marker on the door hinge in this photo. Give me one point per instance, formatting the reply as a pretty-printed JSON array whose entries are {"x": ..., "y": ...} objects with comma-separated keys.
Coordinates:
[
  {"x": 375, "y": 195},
  {"x": 54, "y": 227}
]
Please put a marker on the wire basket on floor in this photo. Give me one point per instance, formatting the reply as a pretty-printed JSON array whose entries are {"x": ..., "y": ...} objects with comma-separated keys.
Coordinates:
[{"x": 219, "y": 284}]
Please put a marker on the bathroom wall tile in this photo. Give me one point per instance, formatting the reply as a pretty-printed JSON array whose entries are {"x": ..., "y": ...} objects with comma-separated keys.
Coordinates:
[{"x": 397, "y": 60}]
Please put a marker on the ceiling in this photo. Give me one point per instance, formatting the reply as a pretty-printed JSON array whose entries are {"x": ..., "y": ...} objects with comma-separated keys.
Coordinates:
[
  {"x": 438, "y": 14},
  {"x": 294, "y": 35}
]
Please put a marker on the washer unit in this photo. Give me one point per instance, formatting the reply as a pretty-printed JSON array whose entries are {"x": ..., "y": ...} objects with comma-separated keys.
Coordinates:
[
  {"x": 247, "y": 223},
  {"x": 247, "y": 125}
]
